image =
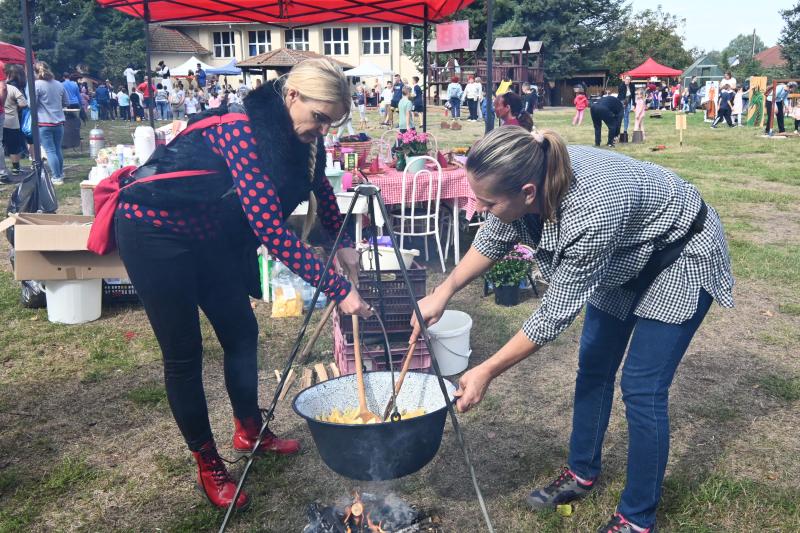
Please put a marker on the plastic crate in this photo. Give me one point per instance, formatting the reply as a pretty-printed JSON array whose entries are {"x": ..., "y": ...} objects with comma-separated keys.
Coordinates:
[
  {"x": 373, "y": 356},
  {"x": 393, "y": 285},
  {"x": 119, "y": 293}
]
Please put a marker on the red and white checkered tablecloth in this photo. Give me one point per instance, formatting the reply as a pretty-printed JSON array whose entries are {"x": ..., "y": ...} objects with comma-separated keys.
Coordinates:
[{"x": 454, "y": 186}]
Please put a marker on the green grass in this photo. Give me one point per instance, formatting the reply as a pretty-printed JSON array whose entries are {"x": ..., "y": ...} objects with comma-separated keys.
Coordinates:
[
  {"x": 789, "y": 309},
  {"x": 149, "y": 395},
  {"x": 786, "y": 388},
  {"x": 773, "y": 263}
]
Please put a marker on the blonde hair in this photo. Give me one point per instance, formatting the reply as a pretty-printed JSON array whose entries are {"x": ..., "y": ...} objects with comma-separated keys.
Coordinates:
[
  {"x": 511, "y": 157},
  {"x": 42, "y": 71},
  {"x": 322, "y": 80}
]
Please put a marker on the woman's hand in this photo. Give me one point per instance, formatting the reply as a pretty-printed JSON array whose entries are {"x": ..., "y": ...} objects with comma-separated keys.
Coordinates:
[
  {"x": 354, "y": 305},
  {"x": 471, "y": 388},
  {"x": 432, "y": 308},
  {"x": 349, "y": 260}
]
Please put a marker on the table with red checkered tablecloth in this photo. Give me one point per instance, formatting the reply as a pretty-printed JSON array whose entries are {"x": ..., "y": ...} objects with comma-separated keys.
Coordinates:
[{"x": 455, "y": 189}]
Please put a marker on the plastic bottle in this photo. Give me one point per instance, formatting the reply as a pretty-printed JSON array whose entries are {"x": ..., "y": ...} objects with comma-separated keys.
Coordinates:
[{"x": 308, "y": 295}]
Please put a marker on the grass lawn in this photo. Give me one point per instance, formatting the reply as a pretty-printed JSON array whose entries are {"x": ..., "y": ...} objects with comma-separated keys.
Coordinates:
[{"x": 88, "y": 442}]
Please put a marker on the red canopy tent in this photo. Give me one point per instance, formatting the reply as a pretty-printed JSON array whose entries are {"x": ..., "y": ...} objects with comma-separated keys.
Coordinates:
[
  {"x": 652, "y": 68},
  {"x": 10, "y": 53},
  {"x": 291, "y": 13}
]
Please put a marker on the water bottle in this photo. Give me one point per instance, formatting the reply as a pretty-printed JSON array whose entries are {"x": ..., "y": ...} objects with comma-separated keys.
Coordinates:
[{"x": 308, "y": 295}]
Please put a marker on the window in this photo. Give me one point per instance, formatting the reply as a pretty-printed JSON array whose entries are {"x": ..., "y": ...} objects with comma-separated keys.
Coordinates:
[
  {"x": 296, "y": 39},
  {"x": 223, "y": 44},
  {"x": 375, "y": 40},
  {"x": 335, "y": 41},
  {"x": 411, "y": 36},
  {"x": 259, "y": 42}
]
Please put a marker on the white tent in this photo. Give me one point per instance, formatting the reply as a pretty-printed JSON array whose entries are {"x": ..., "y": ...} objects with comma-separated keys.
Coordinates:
[
  {"x": 190, "y": 64},
  {"x": 368, "y": 69}
]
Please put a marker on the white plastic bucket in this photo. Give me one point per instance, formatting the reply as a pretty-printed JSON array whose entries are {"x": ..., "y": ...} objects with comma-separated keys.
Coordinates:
[
  {"x": 144, "y": 142},
  {"x": 74, "y": 301},
  {"x": 450, "y": 342}
]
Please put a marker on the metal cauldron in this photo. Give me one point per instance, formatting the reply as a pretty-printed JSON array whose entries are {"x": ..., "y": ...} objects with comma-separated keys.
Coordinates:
[{"x": 376, "y": 451}]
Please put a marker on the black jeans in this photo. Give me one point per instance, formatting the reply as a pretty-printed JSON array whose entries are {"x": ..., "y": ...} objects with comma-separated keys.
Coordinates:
[
  {"x": 778, "y": 117},
  {"x": 612, "y": 121},
  {"x": 174, "y": 276},
  {"x": 472, "y": 104},
  {"x": 723, "y": 114}
]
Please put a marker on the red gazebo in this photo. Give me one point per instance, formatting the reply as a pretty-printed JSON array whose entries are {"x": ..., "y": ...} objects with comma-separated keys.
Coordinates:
[
  {"x": 651, "y": 68},
  {"x": 10, "y": 53}
]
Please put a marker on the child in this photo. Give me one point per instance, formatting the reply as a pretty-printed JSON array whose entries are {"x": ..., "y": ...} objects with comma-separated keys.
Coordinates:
[
  {"x": 406, "y": 110},
  {"x": 738, "y": 106},
  {"x": 638, "y": 115},
  {"x": 361, "y": 101},
  {"x": 581, "y": 103},
  {"x": 725, "y": 104},
  {"x": 386, "y": 102},
  {"x": 191, "y": 104}
]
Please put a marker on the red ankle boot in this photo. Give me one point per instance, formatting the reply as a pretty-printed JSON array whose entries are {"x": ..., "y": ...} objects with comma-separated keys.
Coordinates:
[
  {"x": 213, "y": 478},
  {"x": 246, "y": 434}
]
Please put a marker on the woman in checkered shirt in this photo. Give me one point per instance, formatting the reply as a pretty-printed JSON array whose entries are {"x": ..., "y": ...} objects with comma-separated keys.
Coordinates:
[{"x": 637, "y": 246}]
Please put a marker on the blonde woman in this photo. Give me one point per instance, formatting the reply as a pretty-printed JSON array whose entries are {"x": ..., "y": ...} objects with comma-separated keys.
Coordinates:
[
  {"x": 637, "y": 246},
  {"x": 190, "y": 243}
]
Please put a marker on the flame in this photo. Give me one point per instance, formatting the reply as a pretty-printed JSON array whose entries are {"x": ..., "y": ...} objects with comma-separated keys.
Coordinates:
[
  {"x": 354, "y": 514},
  {"x": 373, "y": 527}
]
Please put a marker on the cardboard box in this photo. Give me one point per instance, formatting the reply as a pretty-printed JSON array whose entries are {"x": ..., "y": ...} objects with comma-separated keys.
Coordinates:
[{"x": 53, "y": 247}]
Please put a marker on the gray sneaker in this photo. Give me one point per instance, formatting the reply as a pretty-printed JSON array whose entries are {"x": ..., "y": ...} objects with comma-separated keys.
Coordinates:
[
  {"x": 618, "y": 524},
  {"x": 564, "y": 489}
]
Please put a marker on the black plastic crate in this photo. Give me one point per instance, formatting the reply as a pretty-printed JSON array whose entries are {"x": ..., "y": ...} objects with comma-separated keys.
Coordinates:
[
  {"x": 395, "y": 293},
  {"x": 119, "y": 293}
]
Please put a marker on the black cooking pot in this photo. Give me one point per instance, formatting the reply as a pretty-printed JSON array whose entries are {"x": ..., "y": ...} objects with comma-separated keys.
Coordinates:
[{"x": 376, "y": 451}]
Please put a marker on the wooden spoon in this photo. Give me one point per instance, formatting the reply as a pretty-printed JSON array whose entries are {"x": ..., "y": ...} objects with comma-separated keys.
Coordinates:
[
  {"x": 366, "y": 416},
  {"x": 399, "y": 382}
]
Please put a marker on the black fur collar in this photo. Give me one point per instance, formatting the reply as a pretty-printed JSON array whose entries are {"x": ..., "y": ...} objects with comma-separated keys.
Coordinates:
[{"x": 284, "y": 156}]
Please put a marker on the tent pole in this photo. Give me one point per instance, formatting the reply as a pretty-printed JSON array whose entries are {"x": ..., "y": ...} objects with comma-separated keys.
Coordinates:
[
  {"x": 425, "y": 71},
  {"x": 31, "y": 82},
  {"x": 489, "y": 66},
  {"x": 151, "y": 100}
]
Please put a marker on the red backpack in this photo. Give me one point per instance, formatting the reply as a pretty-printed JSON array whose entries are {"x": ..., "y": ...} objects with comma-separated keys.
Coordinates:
[{"x": 106, "y": 194}]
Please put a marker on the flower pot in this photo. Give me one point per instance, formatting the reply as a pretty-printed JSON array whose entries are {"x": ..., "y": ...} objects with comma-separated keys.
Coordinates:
[
  {"x": 414, "y": 164},
  {"x": 507, "y": 295}
]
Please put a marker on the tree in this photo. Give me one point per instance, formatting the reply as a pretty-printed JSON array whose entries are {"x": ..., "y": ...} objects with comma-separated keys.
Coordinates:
[
  {"x": 651, "y": 34},
  {"x": 790, "y": 38},
  {"x": 66, "y": 33},
  {"x": 573, "y": 34},
  {"x": 741, "y": 46}
]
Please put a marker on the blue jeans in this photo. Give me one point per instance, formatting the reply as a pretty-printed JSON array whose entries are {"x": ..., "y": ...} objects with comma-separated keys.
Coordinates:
[
  {"x": 163, "y": 110},
  {"x": 455, "y": 109},
  {"x": 51, "y": 142},
  {"x": 626, "y": 116},
  {"x": 655, "y": 351}
]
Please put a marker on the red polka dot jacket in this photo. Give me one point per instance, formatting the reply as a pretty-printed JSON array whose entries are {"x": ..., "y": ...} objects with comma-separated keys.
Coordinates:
[{"x": 236, "y": 145}]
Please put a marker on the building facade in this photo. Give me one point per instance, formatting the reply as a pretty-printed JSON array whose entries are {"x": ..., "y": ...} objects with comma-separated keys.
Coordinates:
[{"x": 386, "y": 45}]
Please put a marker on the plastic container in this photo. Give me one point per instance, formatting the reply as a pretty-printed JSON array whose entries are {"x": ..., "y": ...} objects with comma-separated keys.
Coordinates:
[
  {"x": 450, "y": 342},
  {"x": 144, "y": 142},
  {"x": 335, "y": 178},
  {"x": 74, "y": 301},
  {"x": 387, "y": 258},
  {"x": 119, "y": 291}
]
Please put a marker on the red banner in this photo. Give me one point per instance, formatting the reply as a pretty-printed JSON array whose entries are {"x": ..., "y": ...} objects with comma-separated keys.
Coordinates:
[{"x": 452, "y": 36}]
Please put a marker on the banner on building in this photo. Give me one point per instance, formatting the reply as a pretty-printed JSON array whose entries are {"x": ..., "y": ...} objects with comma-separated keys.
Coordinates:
[{"x": 452, "y": 36}]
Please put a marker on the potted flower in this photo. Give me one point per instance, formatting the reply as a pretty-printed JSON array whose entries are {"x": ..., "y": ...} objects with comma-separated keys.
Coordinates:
[
  {"x": 409, "y": 145},
  {"x": 507, "y": 273}
]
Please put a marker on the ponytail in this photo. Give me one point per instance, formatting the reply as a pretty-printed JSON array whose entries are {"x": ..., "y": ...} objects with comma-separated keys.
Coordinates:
[{"x": 511, "y": 157}]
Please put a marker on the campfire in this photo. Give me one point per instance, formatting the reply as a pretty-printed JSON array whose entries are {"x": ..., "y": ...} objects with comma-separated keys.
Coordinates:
[{"x": 370, "y": 513}]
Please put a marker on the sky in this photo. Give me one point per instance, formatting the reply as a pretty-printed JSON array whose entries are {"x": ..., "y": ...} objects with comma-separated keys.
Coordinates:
[{"x": 712, "y": 25}]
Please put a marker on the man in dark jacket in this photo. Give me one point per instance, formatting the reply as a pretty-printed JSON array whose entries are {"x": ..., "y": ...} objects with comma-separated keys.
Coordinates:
[
  {"x": 103, "y": 98},
  {"x": 694, "y": 90},
  {"x": 607, "y": 109},
  {"x": 626, "y": 95}
]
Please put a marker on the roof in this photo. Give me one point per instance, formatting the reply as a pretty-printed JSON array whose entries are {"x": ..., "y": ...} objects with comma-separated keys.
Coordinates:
[
  {"x": 290, "y": 13},
  {"x": 702, "y": 62},
  {"x": 504, "y": 44},
  {"x": 473, "y": 46},
  {"x": 652, "y": 68},
  {"x": 535, "y": 47},
  {"x": 164, "y": 39},
  {"x": 282, "y": 58},
  {"x": 771, "y": 57}
]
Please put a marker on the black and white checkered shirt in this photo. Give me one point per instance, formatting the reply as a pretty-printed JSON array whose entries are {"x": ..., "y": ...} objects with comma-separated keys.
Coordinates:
[{"x": 616, "y": 213}]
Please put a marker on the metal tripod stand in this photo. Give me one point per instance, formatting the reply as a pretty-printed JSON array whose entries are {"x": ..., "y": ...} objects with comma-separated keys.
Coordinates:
[{"x": 372, "y": 193}]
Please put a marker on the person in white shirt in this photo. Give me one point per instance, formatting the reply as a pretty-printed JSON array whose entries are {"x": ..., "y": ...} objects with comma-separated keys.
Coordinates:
[
  {"x": 730, "y": 80},
  {"x": 386, "y": 102},
  {"x": 472, "y": 95},
  {"x": 130, "y": 77},
  {"x": 166, "y": 79},
  {"x": 191, "y": 105}
]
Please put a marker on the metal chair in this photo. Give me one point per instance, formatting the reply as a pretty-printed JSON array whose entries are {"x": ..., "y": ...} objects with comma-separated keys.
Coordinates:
[{"x": 419, "y": 215}]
